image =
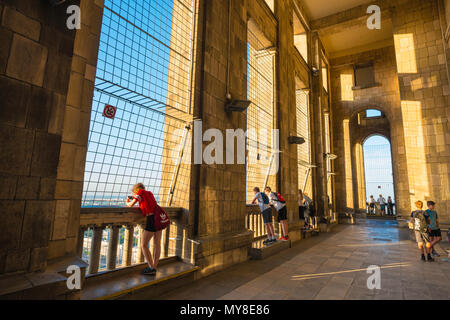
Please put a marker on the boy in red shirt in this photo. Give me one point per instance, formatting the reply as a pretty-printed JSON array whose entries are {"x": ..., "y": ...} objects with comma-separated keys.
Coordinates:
[{"x": 147, "y": 203}]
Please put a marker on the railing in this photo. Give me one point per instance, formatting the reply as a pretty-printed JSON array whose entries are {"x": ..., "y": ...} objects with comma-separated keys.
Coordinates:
[
  {"x": 254, "y": 221},
  {"x": 110, "y": 238}
]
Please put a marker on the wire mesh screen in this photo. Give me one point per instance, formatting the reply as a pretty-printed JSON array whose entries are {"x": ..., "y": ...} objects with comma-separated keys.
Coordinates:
[
  {"x": 260, "y": 115},
  {"x": 144, "y": 68},
  {"x": 303, "y": 150}
]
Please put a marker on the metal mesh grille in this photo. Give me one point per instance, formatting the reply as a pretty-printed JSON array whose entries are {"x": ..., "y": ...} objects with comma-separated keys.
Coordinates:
[
  {"x": 260, "y": 115},
  {"x": 144, "y": 68},
  {"x": 304, "y": 150}
]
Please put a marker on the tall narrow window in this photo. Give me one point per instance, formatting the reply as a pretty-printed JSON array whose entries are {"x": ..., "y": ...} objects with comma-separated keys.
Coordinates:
[
  {"x": 304, "y": 150},
  {"x": 328, "y": 151},
  {"x": 325, "y": 76},
  {"x": 143, "y": 73},
  {"x": 300, "y": 38},
  {"x": 260, "y": 115}
]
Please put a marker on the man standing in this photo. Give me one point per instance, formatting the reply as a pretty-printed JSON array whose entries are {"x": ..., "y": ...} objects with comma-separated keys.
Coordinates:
[
  {"x": 279, "y": 204},
  {"x": 266, "y": 211},
  {"x": 434, "y": 230},
  {"x": 382, "y": 202},
  {"x": 390, "y": 206},
  {"x": 420, "y": 220}
]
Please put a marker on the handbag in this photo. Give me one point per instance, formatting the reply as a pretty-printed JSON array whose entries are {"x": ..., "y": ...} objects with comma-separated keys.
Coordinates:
[{"x": 162, "y": 220}]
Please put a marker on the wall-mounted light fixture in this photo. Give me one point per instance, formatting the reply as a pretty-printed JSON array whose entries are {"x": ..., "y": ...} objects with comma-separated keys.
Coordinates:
[
  {"x": 296, "y": 140},
  {"x": 306, "y": 164},
  {"x": 330, "y": 156},
  {"x": 237, "y": 105}
]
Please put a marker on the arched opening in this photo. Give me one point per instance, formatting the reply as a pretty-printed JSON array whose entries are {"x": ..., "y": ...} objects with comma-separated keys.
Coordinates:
[{"x": 378, "y": 173}]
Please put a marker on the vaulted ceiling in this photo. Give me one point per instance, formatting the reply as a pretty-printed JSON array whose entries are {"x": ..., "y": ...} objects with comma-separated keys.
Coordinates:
[{"x": 343, "y": 36}]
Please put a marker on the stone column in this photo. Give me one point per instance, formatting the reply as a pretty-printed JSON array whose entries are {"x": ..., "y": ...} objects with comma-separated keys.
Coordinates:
[
  {"x": 96, "y": 245},
  {"x": 140, "y": 256},
  {"x": 111, "y": 257},
  {"x": 80, "y": 243},
  {"x": 128, "y": 245}
]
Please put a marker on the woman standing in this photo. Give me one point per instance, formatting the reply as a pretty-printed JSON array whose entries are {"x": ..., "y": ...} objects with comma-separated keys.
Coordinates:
[{"x": 301, "y": 205}]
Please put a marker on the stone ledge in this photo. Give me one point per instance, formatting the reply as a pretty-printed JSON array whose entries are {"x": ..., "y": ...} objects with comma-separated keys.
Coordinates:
[{"x": 259, "y": 251}]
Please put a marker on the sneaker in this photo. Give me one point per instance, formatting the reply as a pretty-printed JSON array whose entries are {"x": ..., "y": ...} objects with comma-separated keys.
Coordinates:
[
  {"x": 273, "y": 240},
  {"x": 267, "y": 241},
  {"x": 430, "y": 259},
  {"x": 435, "y": 254},
  {"x": 281, "y": 239},
  {"x": 286, "y": 238},
  {"x": 423, "y": 258},
  {"x": 149, "y": 271}
]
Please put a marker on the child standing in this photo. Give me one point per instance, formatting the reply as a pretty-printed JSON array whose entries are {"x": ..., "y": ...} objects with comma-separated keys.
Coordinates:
[
  {"x": 434, "y": 229},
  {"x": 266, "y": 211},
  {"x": 420, "y": 220},
  {"x": 280, "y": 206},
  {"x": 147, "y": 204}
]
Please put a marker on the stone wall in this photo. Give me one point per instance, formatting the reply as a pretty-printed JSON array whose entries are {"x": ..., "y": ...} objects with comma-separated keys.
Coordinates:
[
  {"x": 347, "y": 103},
  {"x": 413, "y": 93},
  {"x": 425, "y": 98},
  {"x": 46, "y": 81},
  {"x": 35, "y": 63}
]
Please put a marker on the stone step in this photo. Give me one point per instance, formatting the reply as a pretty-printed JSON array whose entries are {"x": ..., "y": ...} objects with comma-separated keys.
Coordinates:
[
  {"x": 259, "y": 251},
  {"x": 132, "y": 284}
]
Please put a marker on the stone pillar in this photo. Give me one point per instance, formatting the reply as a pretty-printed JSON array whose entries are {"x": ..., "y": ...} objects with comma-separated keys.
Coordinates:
[
  {"x": 80, "y": 243},
  {"x": 111, "y": 257},
  {"x": 96, "y": 246},
  {"x": 425, "y": 99},
  {"x": 140, "y": 256},
  {"x": 128, "y": 245}
]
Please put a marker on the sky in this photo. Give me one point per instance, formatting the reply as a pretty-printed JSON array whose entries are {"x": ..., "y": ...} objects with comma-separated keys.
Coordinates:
[{"x": 378, "y": 167}]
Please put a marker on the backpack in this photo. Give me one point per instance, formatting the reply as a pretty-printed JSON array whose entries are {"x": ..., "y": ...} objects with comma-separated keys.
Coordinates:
[
  {"x": 279, "y": 197},
  {"x": 265, "y": 198},
  {"x": 420, "y": 222},
  {"x": 162, "y": 220}
]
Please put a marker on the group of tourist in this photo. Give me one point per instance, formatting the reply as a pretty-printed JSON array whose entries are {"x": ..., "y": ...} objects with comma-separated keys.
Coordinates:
[
  {"x": 426, "y": 228},
  {"x": 268, "y": 199},
  {"x": 383, "y": 204},
  {"x": 424, "y": 223}
]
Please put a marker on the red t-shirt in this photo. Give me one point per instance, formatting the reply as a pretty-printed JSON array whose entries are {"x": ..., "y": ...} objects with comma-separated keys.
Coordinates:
[{"x": 147, "y": 202}]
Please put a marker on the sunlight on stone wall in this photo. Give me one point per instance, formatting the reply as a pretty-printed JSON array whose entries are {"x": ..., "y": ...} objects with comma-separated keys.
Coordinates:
[
  {"x": 348, "y": 165},
  {"x": 414, "y": 146},
  {"x": 405, "y": 52}
]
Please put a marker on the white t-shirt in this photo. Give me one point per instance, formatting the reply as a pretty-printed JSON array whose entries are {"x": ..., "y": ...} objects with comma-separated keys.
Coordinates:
[
  {"x": 381, "y": 201},
  {"x": 261, "y": 203},
  {"x": 275, "y": 201}
]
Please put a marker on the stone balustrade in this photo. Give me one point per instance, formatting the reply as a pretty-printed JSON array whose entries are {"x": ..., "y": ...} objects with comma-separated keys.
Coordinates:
[{"x": 109, "y": 238}]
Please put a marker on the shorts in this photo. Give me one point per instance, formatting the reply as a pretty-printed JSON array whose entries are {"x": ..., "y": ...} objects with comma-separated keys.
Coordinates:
[
  {"x": 267, "y": 216},
  {"x": 383, "y": 207},
  {"x": 150, "y": 224},
  {"x": 372, "y": 205},
  {"x": 282, "y": 214},
  {"x": 301, "y": 212},
  {"x": 422, "y": 237},
  {"x": 435, "y": 233}
]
